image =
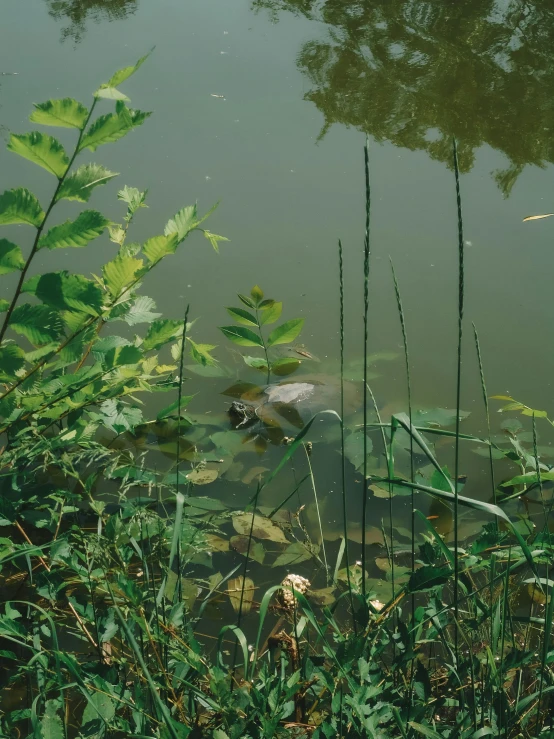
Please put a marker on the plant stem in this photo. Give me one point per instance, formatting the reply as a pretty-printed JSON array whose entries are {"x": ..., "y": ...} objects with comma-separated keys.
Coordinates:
[
  {"x": 264, "y": 344},
  {"x": 40, "y": 229},
  {"x": 366, "y": 311}
]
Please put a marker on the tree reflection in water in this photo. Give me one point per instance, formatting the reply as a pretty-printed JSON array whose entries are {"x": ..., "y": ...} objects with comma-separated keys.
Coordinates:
[{"x": 78, "y": 12}]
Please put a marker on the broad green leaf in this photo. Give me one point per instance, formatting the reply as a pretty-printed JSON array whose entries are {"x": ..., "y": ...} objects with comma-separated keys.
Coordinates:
[
  {"x": 120, "y": 273},
  {"x": 111, "y": 127},
  {"x": 38, "y": 323},
  {"x": 285, "y": 366},
  {"x": 173, "y": 408},
  {"x": 88, "y": 226},
  {"x": 161, "y": 332},
  {"x": 428, "y": 577},
  {"x": 110, "y": 93},
  {"x": 201, "y": 353},
  {"x": 242, "y": 545},
  {"x": 160, "y": 246},
  {"x": 66, "y": 291},
  {"x": 261, "y": 527},
  {"x": 271, "y": 314},
  {"x": 257, "y": 294},
  {"x": 241, "y": 336},
  {"x": 80, "y": 184},
  {"x": 119, "y": 416},
  {"x": 354, "y": 448},
  {"x": 182, "y": 223},
  {"x": 20, "y": 206},
  {"x": 256, "y": 363},
  {"x": 11, "y": 257},
  {"x": 64, "y": 113},
  {"x": 12, "y": 359},
  {"x": 124, "y": 74},
  {"x": 528, "y": 479},
  {"x": 293, "y": 555},
  {"x": 41, "y": 149},
  {"x": 247, "y": 301},
  {"x": 140, "y": 311},
  {"x": 121, "y": 355},
  {"x": 242, "y": 316},
  {"x": 99, "y": 712},
  {"x": 286, "y": 332},
  {"x": 214, "y": 239},
  {"x": 51, "y": 726}
]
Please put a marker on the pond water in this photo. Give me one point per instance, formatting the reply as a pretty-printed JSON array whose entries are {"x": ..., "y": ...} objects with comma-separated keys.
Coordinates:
[{"x": 263, "y": 106}]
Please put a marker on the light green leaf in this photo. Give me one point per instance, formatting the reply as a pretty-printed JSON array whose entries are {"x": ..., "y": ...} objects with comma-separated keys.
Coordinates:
[
  {"x": 241, "y": 336},
  {"x": 201, "y": 353},
  {"x": 51, "y": 726},
  {"x": 134, "y": 199},
  {"x": 247, "y": 301},
  {"x": 11, "y": 257},
  {"x": 173, "y": 408},
  {"x": 271, "y": 314},
  {"x": 286, "y": 332},
  {"x": 160, "y": 246},
  {"x": 124, "y": 74},
  {"x": 120, "y": 273},
  {"x": 121, "y": 355},
  {"x": 38, "y": 323},
  {"x": 111, "y": 127},
  {"x": 242, "y": 316},
  {"x": 214, "y": 239},
  {"x": 88, "y": 226},
  {"x": 140, "y": 311},
  {"x": 257, "y": 295},
  {"x": 20, "y": 206},
  {"x": 65, "y": 113},
  {"x": 285, "y": 366},
  {"x": 182, "y": 223},
  {"x": 80, "y": 184},
  {"x": 4, "y": 305},
  {"x": 256, "y": 363},
  {"x": 110, "y": 93},
  {"x": 12, "y": 359},
  {"x": 41, "y": 149},
  {"x": 161, "y": 332},
  {"x": 119, "y": 416},
  {"x": 66, "y": 291}
]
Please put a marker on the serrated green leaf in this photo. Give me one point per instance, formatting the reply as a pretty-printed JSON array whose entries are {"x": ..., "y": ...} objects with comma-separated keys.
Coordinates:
[
  {"x": 182, "y": 223},
  {"x": 286, "y": 332},
  {"x": 160, "y": 246},
  {"x": 121, "y": 355},
  {"x": 11, "y": 257},
  {"x": 140, "y": 311},
  {"x": 111, "y": 127},
  {"x": 12, "y": 359},
  {"x": 161, "y": 332},
  {"x": 51, "y": 726},
  {"x": 87, "y": 227},
  {"x": 20, "y": 206},
  {"x": 110, "y": 93},
  {"x": 41, "y": 149},
  {"x": 272, "y": 313},
  {"x": 242, "y": 316},
  {"x": 38, "y": 323},
  {"x": 120, "y": 417},
  {"x": 120, "y": 273},
  {"x": 201, "y": 353},
  {"x": 241, "y": 336},
  {"x": 134, "y": 199},
  {"x": 214, "y": 239},
  {"x": 66, "y": 291},
  {"x": 285, "y": 366},
  {"x": 80, "y": 184},
  {"x": 124, "y": 74},
  {"x": 64, "y": 113}
]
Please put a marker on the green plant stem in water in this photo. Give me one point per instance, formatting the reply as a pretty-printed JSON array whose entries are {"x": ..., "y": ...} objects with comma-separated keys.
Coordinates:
[{"x": 366, "y": 316}]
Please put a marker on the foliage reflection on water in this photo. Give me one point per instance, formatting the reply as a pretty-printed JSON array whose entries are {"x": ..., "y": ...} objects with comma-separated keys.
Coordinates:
[{"x": 78, "y": 12}]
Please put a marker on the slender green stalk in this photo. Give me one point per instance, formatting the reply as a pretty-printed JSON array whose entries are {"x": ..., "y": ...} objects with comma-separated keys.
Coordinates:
[
  {"x": 40, "y": 228},
  {"x": 461, "y": 277},
  {"x": 366, "y": 316},
  {"x": 264, "y": 345},
  {"x": 178, "y": 463},
  {"x": 487, "y": 413},
  {"x": 343, "y": 456},
  {"x": 318, "y": 514}
]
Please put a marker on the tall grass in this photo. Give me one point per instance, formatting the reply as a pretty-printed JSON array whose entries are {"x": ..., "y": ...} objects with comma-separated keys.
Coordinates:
[{"x": 365, "y": 349}]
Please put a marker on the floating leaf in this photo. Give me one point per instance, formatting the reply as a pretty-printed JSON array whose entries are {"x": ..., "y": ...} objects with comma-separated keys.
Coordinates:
[
  {"x": 240, "y": 588},
  {"x": 272, "y": 313},
  {"x": 88, "y": 226},
  {"x": 80, "y": 184},
  {"x": 437, "y": 417},
  {"x": 255, "y": 473},
  {"x": 12, "y": 359},
  {"x": 124, "y": 74},
  {"x": 286, "y": 332},
  {"x": 293, "y": 555},
  {"x": 202, "y": 476},
  {"x": 38, "y": 323},
  {"x": 255, "y": 551},
  {"x": 537, "y": 218},
  {"x": 285, "y": 366},
  {"x": 64, "y": 113},
  {"x": 261, "y": 527},
  {"x": 41, "y": 149},
  {"x": 182, "y": 223},
  {"x": 20, "y": 206},
  {"x": 160, "y": 246},
  {"x": 354, "y": 448},
  {"x": 323, "y": 596},
  {"x": 241, "y": 336},
  {"x": 161, "y": 332},
  {"x": 111, "y": 127},
  {"x": 66, "y": 291},
  {"x": 11, "y": 257},
  {"x": 242, "y": 316},
  {"x": 120, "y": 273},
  {"x": 216, "y": 543}
]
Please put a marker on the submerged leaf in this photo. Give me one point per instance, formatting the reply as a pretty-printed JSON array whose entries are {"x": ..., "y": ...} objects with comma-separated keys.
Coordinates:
[
  {"x": 88, "y": 226},
  {"x": 41, "y": 149},
  {"x": 64, "y": 113},
  {"x": 293, "y": 555},
  {"x": 80, "y": 184},
  {"x": 202, "y": 476},
  {"x": 20, "y": 206},
  {"x": 285, "y": 366},
  {"x": 261, "y": 527},
  {"x": 241, "y": 593}
]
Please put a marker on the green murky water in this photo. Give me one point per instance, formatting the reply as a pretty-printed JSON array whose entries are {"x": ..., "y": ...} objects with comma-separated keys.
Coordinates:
[{"x": 264, "y": 106}]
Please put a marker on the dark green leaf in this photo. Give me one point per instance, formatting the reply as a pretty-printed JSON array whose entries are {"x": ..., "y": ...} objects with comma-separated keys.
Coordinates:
[
  {"x": 249, "y": 303},
  {"x": 66, "y": 291},
  {"x": 41, "y": 149},
  {"x": 88, "y": 226},
  {"x": 286, "y": 332},
  {"x": 12, "y": 359},
  {"x": 285, "y": 366},
  {"x": 241, "y": 336},
  {"x": 38, "y": 323},
  {"x": 20, "y": 206},
  {"x": 80, "y": 184},
  {"x": 64, "y": 113},
  {"x": 242, "y": 316},
  {"x": 11, "y": 257},
  {"x": 428, "y": 577}
]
